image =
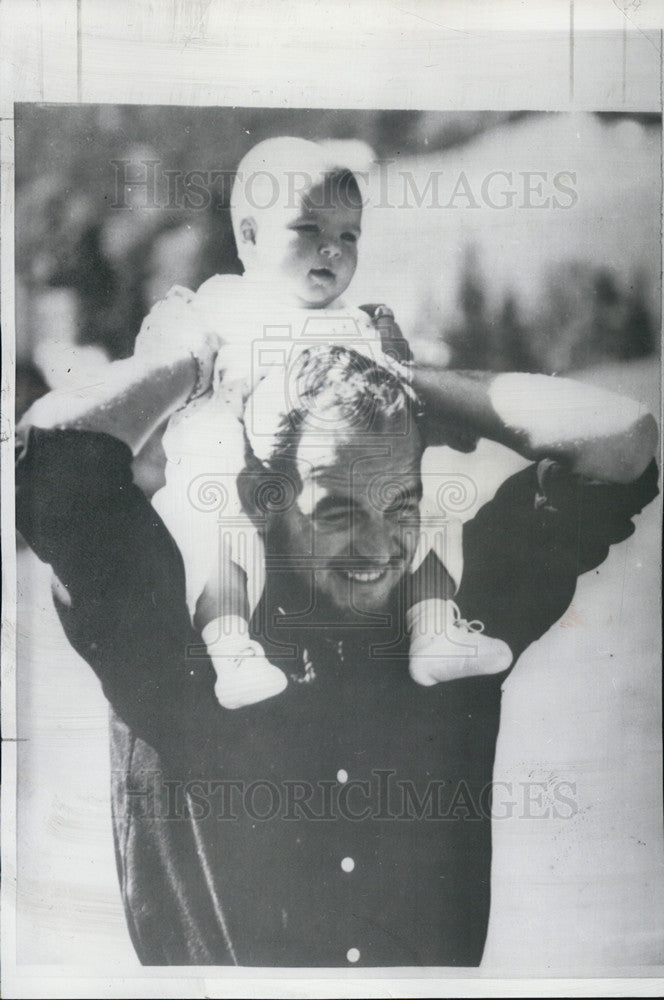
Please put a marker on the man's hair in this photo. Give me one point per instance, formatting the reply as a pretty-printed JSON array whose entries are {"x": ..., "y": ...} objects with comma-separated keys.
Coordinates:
[
  {"x": 327, "y": 388},
  {"x": 272, "y": 172}
]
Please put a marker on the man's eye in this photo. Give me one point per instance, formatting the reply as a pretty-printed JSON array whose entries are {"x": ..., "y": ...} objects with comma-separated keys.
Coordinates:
[
  {"x": 349, "y": 237},
  {"x": 403, "y": 508},
  {"x": 334, "y": 515},
  {"x": 307, "y": 227}
]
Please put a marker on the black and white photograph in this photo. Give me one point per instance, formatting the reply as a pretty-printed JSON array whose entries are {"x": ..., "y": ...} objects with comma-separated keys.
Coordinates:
[{"x": 331, "y": 628}]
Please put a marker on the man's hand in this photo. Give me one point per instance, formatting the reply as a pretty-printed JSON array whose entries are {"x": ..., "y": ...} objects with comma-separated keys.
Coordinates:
[
  {"x": 172, "y": 364},
  {"x": 392, "y": 340},
  {"x": 455, "y": 434}
]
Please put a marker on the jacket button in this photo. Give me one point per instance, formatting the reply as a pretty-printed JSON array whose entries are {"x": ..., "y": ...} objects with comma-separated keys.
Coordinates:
[
  {"x": 342, "y": 776},
  {"x": 347, "y": 864},
  {"x": 353, "y": 955}
]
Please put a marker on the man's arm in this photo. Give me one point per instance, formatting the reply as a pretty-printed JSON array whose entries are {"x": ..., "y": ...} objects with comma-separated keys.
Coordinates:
[
  {"x": 134, "y": 398},
  {"x": 120, "y": 588},
  {"x": 173, "y": 361},
  {"x": 594, "y": 432},
  {"x": 526, "y": 548},
  {"x": 591, "y": 431},
  {"x": 119, "y": 582}
]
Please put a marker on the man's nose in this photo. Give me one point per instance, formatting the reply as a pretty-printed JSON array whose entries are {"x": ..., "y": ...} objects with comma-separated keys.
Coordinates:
[
  {"x": 371, "y": 541},
  {"x": 330, "y": 249}
]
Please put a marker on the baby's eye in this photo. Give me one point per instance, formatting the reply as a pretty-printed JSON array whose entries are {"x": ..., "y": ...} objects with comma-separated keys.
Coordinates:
[
  {"x": 306, "y": 227},
  {"x": 349, "y": 237}
]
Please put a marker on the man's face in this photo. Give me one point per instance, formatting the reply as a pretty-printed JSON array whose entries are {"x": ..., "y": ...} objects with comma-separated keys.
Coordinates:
[
  {"x": 309, "y": 246},
  {"x": 355, "y": 526}
]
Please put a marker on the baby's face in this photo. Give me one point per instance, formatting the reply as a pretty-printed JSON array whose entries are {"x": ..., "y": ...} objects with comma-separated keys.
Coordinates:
[{"x": 309, "y": 247}]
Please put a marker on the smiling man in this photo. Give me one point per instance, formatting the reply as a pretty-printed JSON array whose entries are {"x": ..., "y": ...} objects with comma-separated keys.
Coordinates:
[
  {"x": 347, "y": 820},
  {"x": 351, "y": 450}
]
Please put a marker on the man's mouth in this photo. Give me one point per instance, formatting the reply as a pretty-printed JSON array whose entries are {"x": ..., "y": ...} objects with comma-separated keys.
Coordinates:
[{"x": 366, "y": 575}]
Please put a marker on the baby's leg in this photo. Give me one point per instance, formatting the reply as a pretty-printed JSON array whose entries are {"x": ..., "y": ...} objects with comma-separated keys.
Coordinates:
[
  {"x": 443, "y": 646},
  {"x": 224, "y": 595},
  {"x": 431, "y": 581},
  {"x": 244, "y": 674}
]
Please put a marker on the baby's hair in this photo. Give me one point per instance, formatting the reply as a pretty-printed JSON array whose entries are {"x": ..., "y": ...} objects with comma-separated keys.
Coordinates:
[{"x": 272, "y": 173}]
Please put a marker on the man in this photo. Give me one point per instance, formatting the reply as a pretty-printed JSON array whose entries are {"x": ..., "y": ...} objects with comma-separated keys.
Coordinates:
[{"x": 346, "y": 821}]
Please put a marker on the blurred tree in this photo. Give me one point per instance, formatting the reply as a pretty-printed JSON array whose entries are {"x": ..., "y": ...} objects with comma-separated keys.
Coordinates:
[
  {"x": 642, "y": 333},
  {"x": 585, "y": 315},
  {"x": 470, "y": 343},
  {"x": 114, "y": 255}
]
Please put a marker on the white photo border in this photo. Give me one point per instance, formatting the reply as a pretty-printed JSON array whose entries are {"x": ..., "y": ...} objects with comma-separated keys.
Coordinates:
[{"x": 429, "y": 54}]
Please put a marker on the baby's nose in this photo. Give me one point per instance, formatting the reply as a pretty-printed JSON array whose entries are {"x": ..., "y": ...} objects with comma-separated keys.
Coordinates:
[{"x": 330, "y": 250}]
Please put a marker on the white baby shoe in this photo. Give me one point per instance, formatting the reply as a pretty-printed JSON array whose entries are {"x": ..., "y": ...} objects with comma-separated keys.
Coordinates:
[
  {"x": 445, "y": 647},
  {"x": 244, "y": 673}
]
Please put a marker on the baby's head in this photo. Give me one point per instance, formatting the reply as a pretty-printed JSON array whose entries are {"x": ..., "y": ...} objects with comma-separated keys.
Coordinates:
[{"x": 296, "y": 217}]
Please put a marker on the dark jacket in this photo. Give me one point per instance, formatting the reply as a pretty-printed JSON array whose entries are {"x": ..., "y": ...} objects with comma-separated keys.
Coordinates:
[{"x": 346, "y": 820}]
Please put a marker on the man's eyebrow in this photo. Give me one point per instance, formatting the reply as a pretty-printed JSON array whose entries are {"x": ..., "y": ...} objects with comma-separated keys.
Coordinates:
[
  {"x": 397, "y": 498},
  {"x": 401, "y": 494}
]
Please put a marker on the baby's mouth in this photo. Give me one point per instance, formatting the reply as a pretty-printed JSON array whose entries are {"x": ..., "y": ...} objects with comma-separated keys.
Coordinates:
[{"x": 323, "y": 275}]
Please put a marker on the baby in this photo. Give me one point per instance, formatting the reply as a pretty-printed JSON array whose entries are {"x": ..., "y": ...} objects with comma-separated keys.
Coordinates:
[{"x": 297, "y": 217}]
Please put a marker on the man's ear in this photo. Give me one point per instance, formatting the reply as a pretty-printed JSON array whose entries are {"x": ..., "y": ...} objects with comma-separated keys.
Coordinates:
[
  {"x": 266, "y": 494},
  {"x": 248, "y": 230}
]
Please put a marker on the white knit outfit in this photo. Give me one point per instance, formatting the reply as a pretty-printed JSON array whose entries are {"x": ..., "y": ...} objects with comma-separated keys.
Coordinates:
[{"x": 204, "y": 442}]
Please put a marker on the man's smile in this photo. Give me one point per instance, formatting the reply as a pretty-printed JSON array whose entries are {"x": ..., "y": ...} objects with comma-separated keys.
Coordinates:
[{"x": 366, "y": 576}]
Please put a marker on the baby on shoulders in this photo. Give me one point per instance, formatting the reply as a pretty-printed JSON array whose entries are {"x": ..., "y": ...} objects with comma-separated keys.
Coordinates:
[{"x": 299, "y": 252}]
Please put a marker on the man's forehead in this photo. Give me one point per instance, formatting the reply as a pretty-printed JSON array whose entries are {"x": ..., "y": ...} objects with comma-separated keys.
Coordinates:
[
  {"x": 348, "y": 464},
  {"x": 345, "y": 456}
]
